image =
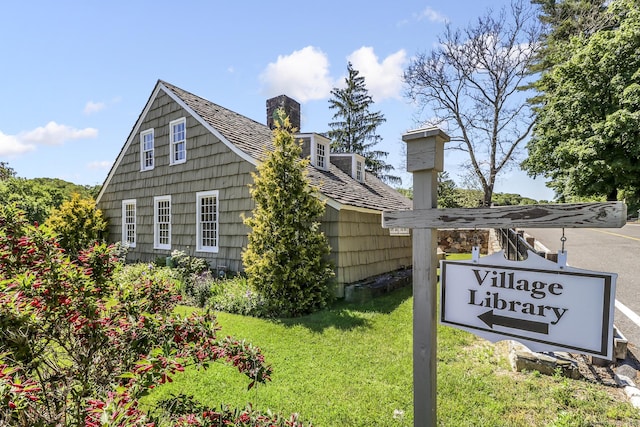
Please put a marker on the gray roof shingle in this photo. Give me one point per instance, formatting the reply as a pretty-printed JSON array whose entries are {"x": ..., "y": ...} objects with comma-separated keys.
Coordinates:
[{"x": 255, "y": 139}]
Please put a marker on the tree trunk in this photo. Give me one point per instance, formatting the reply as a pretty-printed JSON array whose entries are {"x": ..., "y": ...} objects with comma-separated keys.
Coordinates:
[
  {"x": 488, "y": 196},
  {"x": 613, "y": 195}
]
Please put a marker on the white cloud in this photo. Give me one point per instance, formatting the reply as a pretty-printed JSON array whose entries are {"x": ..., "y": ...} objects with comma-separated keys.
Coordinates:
[
  {"x": 302, "y": 75},
  {"x": 99, "y": 165},
  {"x": 54, "y": 134},
  {"x": 93, "y": 107},
  {"x": 50, "y": 134},
  {"x": 12, "y": 146},
  {"x": 383, "y": 79},
  {"x": 431, "y": 15}
]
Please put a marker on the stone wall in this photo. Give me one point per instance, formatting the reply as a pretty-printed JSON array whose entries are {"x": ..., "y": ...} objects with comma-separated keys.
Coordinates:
[{"x": 461, "y": 241}]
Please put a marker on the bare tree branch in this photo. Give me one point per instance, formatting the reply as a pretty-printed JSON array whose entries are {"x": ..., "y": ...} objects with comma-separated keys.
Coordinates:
[{"x": 473, "y": 80}]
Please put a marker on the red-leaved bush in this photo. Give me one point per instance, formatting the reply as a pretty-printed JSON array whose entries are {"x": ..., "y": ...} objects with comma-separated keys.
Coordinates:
[{"x": 77, "y": 349}]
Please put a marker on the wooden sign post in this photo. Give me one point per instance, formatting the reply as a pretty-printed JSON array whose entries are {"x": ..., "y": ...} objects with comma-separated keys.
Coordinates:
[{"x": 425, "y": 158}]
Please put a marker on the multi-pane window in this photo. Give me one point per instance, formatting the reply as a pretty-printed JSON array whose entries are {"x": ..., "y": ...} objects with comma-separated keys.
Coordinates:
[
  {"x": 178, "y": 140},
  {"x": 207, "y": 221},
  {"x": 162, "y": 222},
  {"x": 321, "y": 157},
  {"x": 146, "y": 149},
  {"x": 359, "y": 171},
  {"x": 129, "y": 222}
]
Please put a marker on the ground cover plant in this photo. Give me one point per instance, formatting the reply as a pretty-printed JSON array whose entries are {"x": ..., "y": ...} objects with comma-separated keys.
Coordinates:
[
  {"x": 80, "y": 349},
  {"x": 351, "y": 365}
]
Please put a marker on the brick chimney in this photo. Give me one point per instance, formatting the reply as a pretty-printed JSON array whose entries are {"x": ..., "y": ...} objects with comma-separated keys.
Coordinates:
[{"x": 291, "y": 108}]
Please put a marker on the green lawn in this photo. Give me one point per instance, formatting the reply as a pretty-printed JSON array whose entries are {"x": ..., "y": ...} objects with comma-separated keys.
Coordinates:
[{"x": 351, "y": 366}]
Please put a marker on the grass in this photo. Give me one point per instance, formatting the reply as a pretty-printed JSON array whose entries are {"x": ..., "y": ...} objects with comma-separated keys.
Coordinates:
[{"x": 351, "y": 365}]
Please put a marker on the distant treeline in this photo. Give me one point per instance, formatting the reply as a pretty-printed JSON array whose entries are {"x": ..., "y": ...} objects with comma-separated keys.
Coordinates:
[{"x": 38, "y": 197}]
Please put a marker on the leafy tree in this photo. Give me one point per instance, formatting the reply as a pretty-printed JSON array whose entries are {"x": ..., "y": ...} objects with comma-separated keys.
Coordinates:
[
  {"x": 470, "y": 80},
  {"x": 354, "y": 129},
  {"x": 77, "y": 224},
  {"x": 37, "y": 197},
  {"x": 35, "y": 200},
  {"x": 587, "y": 133},
  {"x": 6, "y": 171},
  {"x": 447, "y": 192},
  {"x": 469, "y": 197},
  {"x": 511, "y": 199},
  {"x": 564, "y": 19},
  {"x": 285, "y": 256},
  {"x": 406, "y": 192}
]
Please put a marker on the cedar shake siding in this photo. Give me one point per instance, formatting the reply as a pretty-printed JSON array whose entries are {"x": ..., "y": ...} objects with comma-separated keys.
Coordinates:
[
  {"x": 361, "y": 248},
  {"x": 215, "y": 160},
  {"x": 210, "y": 165}
]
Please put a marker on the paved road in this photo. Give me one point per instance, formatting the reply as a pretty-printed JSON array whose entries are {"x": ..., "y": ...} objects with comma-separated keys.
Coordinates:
[{"x": 615, "y": 250}]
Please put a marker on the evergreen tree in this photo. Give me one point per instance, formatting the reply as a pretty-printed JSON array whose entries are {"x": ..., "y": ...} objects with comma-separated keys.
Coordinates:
[
  {"x": 447, "y": 196},
  {"x": 563, "y": 20},
  {"x": 285, "y": 259},
  {"x": 354, "y": 127}
]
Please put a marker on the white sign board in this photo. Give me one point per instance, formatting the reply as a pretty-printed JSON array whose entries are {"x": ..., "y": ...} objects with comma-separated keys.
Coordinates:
[{"x": 536, "y": 302}]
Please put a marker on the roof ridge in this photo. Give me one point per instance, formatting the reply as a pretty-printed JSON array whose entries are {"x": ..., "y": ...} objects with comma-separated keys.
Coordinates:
[
  {"x": 175, "y": 89},
  {"x": 251, "y": 140}
]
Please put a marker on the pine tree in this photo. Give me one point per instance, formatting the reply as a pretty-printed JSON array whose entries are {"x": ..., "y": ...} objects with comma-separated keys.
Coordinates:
[
  {"x": 354, "y": 127},
  {"x": 285, "y": 259}
]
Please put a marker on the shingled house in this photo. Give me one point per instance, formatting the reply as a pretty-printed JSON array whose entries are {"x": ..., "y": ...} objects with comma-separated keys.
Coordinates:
[{"x": 181, "y": 182}]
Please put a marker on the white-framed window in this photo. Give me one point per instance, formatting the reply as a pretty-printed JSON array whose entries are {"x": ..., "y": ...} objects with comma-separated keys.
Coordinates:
[
  {"x": 317, "y": 147},
  {"x": 129, "y": 222},
  {"x": 178, "y": 141},
  {"x": 207, "y": 221},
  {"x": 146, "y": 150},
  {"x": 359, "y": 171},
  {"x": 162, "y": 222},
  {"x": 321, "y": 155}
]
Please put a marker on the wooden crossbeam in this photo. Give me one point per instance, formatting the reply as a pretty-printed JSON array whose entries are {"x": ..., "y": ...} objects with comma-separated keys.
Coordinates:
[{"x": 570, "y": 215}]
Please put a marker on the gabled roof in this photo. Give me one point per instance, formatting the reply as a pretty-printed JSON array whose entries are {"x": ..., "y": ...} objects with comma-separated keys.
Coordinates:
[{"x": 251, "y": 141}]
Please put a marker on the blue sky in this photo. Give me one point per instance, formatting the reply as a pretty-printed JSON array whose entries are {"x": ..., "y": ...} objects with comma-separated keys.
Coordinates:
[{"x": 76, "y": 75}]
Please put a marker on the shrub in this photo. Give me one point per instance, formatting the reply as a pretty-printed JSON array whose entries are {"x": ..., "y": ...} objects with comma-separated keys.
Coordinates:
[
  {"x": 285, "y": 258},
  {"x": 193, "y": 272},
  {"x": 120, "y": 251},
  {"x": 198, "y": 288},
  {"x": 237, "y": 296},
  {"x": 77, "y": 224},
  {"x": 75, "y": 349},
  {"x": 130, "y": 274},
  {"x": 188, "y": 265}
]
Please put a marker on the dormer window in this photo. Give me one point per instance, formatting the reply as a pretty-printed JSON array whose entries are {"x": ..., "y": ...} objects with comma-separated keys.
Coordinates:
[
  {"x": 351, "y": 164},
  {"x": 359, "y": 170},
  {"x": 316, "y": 147},
  {"x": 321, "y": 156}
]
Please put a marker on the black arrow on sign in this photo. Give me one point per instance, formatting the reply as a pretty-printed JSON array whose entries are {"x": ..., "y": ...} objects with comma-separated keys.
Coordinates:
[{"x": 492, "y": 319}]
